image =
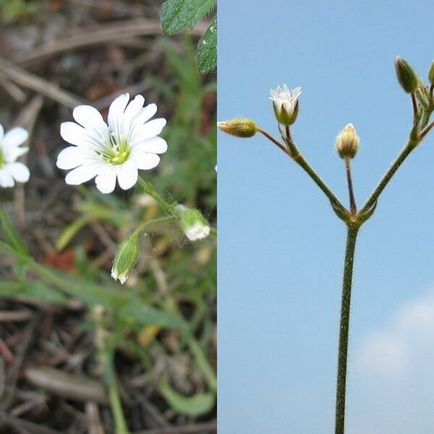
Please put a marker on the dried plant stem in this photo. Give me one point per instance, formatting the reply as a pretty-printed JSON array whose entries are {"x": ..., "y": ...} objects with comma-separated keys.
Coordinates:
[{"x": 352, "y": 231}]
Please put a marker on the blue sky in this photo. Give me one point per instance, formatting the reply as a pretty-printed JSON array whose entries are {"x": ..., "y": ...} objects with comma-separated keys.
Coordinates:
[{"x": 280, "y": 245}]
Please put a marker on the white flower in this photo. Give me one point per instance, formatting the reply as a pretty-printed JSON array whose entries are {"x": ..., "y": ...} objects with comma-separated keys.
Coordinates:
[
  {"x": 118, "y": 150},
  {"x": 285, "y": 103},
  {"x": 10, "y": 169},
  {"x": 197, "y": 231}
]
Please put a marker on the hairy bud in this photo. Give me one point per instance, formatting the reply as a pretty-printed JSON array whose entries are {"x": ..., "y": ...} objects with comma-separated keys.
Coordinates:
[
  {"x": 239, "y": 127},
  {"x": 347, "y": 142}
]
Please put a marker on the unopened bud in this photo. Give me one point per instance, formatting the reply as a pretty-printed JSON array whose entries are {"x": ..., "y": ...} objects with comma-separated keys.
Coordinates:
[
  {"x": 406, "y": 76},
  {"x": 126, "y": 258},
  {"x": 347, "y": 142},
  {"x": 239, "y": 127},
  {"x": 192, "y": 223},
  {"x": 431, "y": 74}
]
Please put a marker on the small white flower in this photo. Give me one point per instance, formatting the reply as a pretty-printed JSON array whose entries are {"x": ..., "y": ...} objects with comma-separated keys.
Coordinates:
[
  {"x": 197, "y": 231},
  {"x": 115, "y": 150},
  {"x": 285, "y": 103},
  {"x": 10, "y": 169}
]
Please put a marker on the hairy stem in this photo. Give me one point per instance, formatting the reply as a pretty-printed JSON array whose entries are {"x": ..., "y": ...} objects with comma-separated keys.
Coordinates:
[
  {"x": 352, "y": 231},
  {"x": 353, "y": 207},
  {"x": 411, "y": 144}
]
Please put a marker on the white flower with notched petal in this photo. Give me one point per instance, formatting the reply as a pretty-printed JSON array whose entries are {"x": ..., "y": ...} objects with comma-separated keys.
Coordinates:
[
  {"x": 10, "y": 149},
  {"x": 285, "y": 103},
  {"x": 118, "y": 150}
]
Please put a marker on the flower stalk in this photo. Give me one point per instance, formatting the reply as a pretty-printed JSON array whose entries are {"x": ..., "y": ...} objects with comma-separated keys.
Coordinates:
[
  {"x": 285, "y": 103},
  {"x": 344, "y": 328}
]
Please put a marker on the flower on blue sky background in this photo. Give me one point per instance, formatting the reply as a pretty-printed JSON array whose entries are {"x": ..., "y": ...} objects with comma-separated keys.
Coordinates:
[
  {"x": 285, "y": 103},
  {"x": 11, "y": 170},
  {"x": 112, "y": 151}
]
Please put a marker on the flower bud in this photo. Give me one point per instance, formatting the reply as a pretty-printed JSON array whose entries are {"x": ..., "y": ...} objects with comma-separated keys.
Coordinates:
[
  {"x": 239, "y": 127},
  {"x": 431, "y": 74},
  {"x": 126, "y": 258},
  {"x": 347, "y": 142},
  {"x": 285, "y": 104},
  {"x": 192, "y": 223},
  {"x": 406, "y": 76}
]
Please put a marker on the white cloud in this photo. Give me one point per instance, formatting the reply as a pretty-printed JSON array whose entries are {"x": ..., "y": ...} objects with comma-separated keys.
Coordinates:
[
  {"x": 392, "y": 387},
  {"x": 402, "y": 346}
]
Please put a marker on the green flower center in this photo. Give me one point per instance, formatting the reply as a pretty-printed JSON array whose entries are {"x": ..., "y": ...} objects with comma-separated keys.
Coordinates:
[
  {"x": 117, "y": 151},
  {"x": 2, "y": 158}
]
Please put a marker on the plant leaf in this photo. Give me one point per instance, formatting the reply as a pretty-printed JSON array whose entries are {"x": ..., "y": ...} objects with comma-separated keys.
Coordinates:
[
  {"x": 36, "y": 290},
  {"x": 206, "y": 55},
  {"x": 138, "y": 312},
  {"x": 177, "y": 15},
  {"x": 190, "y": 405},
  {"x": 12, "y": 235}
]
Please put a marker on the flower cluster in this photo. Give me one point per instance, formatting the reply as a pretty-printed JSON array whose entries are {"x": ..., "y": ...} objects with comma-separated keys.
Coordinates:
[
  {"x": 11, "y": 170},
  {"x": 112, "y": 151}
]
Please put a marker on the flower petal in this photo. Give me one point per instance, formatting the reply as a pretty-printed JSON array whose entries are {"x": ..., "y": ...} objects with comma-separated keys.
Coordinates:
[
  {"x": 146, "y": 161},
  {"x": 20, "y": 172},
  {"x": 83, "y": 173},
  {"x": 127, "y": 175},
  {"x": 6, "y": 178},
  {"x": 116, "y": 110},
  {"x": 134, "y": 107},
  {"x": 146, "y": 113},
  {"x": 73, "y": 133},
  {"x": 15, "y": 137},
  {"x": 106, "y": 180},
  {"x": 13, "y": 152},
  {"x": 156, "y": 145},
  {"x": 148, "y": 130},
  {"x": 72, "y": 157},
  {"x": 91, "y": 119}
]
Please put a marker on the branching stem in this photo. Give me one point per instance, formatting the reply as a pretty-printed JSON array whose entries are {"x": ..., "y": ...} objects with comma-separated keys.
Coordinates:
[{"x": 292, "y": 151}]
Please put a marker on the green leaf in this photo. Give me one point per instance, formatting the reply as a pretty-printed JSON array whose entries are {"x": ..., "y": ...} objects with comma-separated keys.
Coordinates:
[
  {"x": 138, "y": 312},
  {"x": 206, "y": 55},
  {"x": 196, "y": 405},
  {"x": 177, "y": 15},
  {"x": 203, "y": 364},
  {"x": 36, "y": 290},
  {"x": 70, "y": 231},
  {"x": 11, "y": 234}
]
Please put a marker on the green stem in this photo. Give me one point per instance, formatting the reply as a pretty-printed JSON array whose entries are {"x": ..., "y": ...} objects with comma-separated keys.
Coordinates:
[
  {"x": 145, "y": 225},
  {"x": 411, "y": 144},
  {"x": 353, "y": 206},
  {"x": 352, "y": 231},
  {"x": 292, "y": 151},
  {"x": 113, "y": 391},
  {"x": 149, "y": 189}
]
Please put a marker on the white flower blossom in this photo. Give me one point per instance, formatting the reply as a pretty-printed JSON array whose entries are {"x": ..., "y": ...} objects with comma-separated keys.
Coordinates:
[
  {"x": 10, "y": 149},
  {"x": 285, "y": 103},
  {"x": 197, "y": 231},
  {"x": 115, "y": 150}
]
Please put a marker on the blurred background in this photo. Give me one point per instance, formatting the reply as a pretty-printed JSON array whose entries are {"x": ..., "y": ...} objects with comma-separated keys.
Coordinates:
[{"x": 56, "y": 294}]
